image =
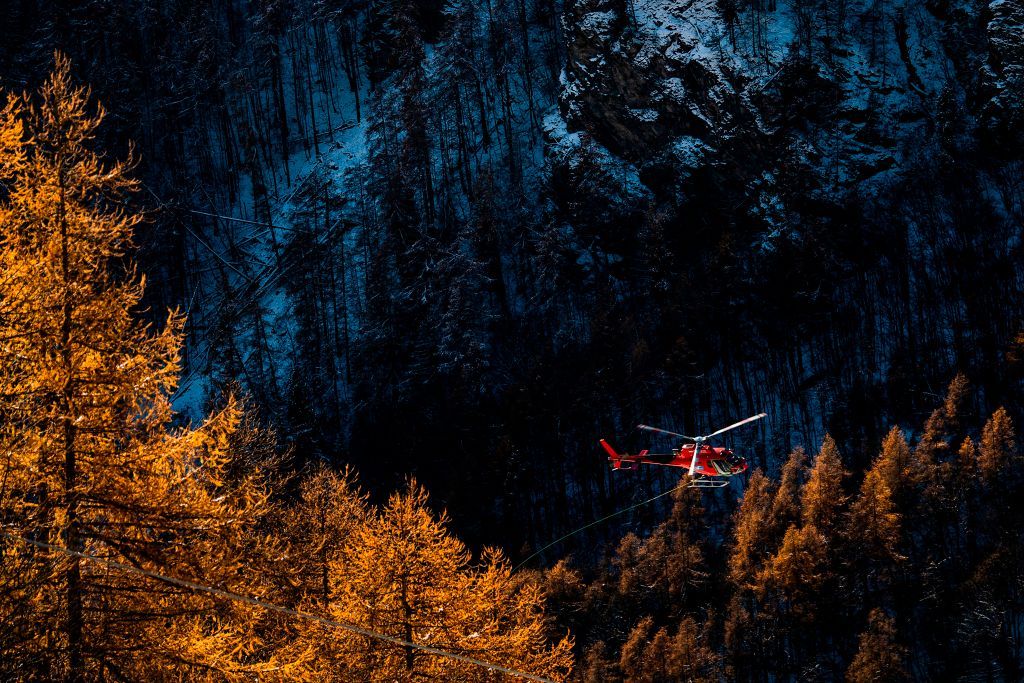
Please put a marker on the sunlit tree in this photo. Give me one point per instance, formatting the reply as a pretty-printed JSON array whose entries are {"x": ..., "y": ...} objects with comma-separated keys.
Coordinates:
[
  {"x": 880, "y": 657},
  {"x": 997, "y": 445},
  {"x": 751, "y": 530},
  {"x": 786, "y": 503},
  {"x": 404, "y": 575},
  {"x": 822, "y": 497},
  {"x": 91, "y": 463}
]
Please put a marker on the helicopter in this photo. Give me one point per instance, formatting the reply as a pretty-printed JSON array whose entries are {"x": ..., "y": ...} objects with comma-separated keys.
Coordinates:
[{"x": 711, "y": 468}]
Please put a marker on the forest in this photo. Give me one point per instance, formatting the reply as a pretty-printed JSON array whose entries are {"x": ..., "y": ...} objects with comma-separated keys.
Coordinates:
[{"x": 312, "y": 314}]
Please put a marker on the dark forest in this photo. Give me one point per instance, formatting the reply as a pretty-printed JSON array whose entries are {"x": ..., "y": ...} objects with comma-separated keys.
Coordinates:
[{"x": 326, "y": 304}]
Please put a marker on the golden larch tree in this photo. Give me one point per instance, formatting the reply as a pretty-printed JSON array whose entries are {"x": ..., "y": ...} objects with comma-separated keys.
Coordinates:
[
  {"x": 873, "y": 524},
  {"x": 799, "y": 571},
  {"x": 966, "y": 477},
  {"x": 752, "y": 532},
  {"x": 654, "y": 656},
  {"x": 998, "y": 444},
  {"x": 880, "y": 656},
  {"x": 317, "y": 527},
  {"x": 956, "y": 396},
  {"x": 967, "y": 459},
  {"x": 596, "y": 666},
  {"x": 404, "y": 575},
  {"x": 786, "y": 503},
  {"x": 822, "y": 497},
  {"x": 90, "y": 463},
  {"x": 893, "y": 463},
  {"x": 670, "y": 559},
  {"x": 506, "y": 623},
  {"x": 934, "y": 442},
  {"x": 634, "y": 661}
]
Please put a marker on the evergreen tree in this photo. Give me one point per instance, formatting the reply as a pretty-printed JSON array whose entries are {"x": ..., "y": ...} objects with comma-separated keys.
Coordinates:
[
  {"x": 934, "y": 442},
  {"x": 317, "y": 527},
  {"x": 873, "y": 523},
  {"x": 893, "y": 463},
  {"x": 800, "y": 571}
]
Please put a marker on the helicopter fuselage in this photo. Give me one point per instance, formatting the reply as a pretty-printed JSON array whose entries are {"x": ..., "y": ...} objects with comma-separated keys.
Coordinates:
[{"x": 712, "y": 461}]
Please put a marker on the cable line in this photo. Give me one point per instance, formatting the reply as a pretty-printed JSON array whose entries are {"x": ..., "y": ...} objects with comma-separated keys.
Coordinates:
[
  {"x": 243, "y": 220},
  {"x": 215, "y": 253},
  {"x": 598, "y": 521},
  {"x": 238, "y": 597}
]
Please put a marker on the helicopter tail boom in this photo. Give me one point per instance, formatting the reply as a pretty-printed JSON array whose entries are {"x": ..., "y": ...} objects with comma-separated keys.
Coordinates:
[
  {"x": 612, "y": 454},
  {"x": 616, "y": 458}
]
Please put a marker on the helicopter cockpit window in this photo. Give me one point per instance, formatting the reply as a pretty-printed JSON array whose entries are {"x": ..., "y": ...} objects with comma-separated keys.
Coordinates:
[{"x": 723, "y": 469}]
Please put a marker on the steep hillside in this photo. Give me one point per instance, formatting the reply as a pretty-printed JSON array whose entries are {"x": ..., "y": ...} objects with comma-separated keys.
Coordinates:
[{"x": 467, "y": 239}]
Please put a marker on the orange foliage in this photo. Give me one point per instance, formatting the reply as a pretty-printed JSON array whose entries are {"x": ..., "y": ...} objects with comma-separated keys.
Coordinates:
[
  {"x": 874, "y": 524},
  {"x": 92, "y": 464},
  {"x": 399, "y": 572},
  {"x": 822, "y": 496},
  {"x": 879, "y": 657},
  {"x": 786, "y": 504},
  {"x": 998, "y": 444},
  {"x": 85, "y": 389},
  {"x": 752, "y": 531}
]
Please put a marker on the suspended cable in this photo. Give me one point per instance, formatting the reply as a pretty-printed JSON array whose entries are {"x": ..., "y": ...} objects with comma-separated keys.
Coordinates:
[
  {"x": 215, "y": 253},
  {"x": 245, "y": 220},
  {"x": 603, "y": 519},
  {"x": 238, "y": 597}
]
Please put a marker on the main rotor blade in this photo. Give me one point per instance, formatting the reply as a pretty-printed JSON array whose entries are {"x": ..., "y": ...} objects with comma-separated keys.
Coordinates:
[
  {"x": 665, "y": 431},
  {"x": 738, "y": 424}
]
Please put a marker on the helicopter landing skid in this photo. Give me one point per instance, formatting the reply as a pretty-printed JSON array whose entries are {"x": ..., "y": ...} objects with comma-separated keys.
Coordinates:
[{"x": 708, "y": 483}]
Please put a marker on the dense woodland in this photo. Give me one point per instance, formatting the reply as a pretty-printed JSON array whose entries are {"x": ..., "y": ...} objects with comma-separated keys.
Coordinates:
[{"x": 450, "y": 244}]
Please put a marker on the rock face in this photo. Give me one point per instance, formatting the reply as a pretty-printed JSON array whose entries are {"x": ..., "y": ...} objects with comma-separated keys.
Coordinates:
[
  {"x": 640, "y": 75},
  {"x": 1005, "y": 73},
  {"x": 840, "y": 96}
]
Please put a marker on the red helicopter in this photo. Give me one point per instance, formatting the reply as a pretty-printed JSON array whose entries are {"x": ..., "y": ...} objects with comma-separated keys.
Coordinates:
[{"x": 710, "y": 469}]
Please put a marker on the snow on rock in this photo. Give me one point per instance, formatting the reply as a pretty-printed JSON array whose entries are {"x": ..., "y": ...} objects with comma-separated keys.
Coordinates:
[
  {"x": 671, "y": 87},
  {"x": 637, "y": 80},
  {"x": 1005, "y": 72}
]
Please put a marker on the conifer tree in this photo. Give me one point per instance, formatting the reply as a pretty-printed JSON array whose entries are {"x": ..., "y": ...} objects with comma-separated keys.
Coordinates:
[
  {"x": 822, "y": 496},
  {"x": 893, "y": 463},
  {"x": 997, "y": 445},
  {"x": 506, "y": 621},
  {"x": 653, "y": 656},
  {"x": 91, "y": 464},
  {"x": 873, "y": 523},
  {"x": 404, "y": 575},
  {"x": 879, "y": 657},
  {"x": 964, "y": 488},
  {"x": 680, "y": 560},
  {"x": 751, "y": 531},
  {"x": 799, "y": 571},
  {"x": 329, "y": 509},
  {"x": 634, "y": 661},
  {"x": 786, "y": 503},
  {"x": 595, "y": 667},
  {"x": 934, "y": 442},
  {"x": 967, "y": 459}
]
